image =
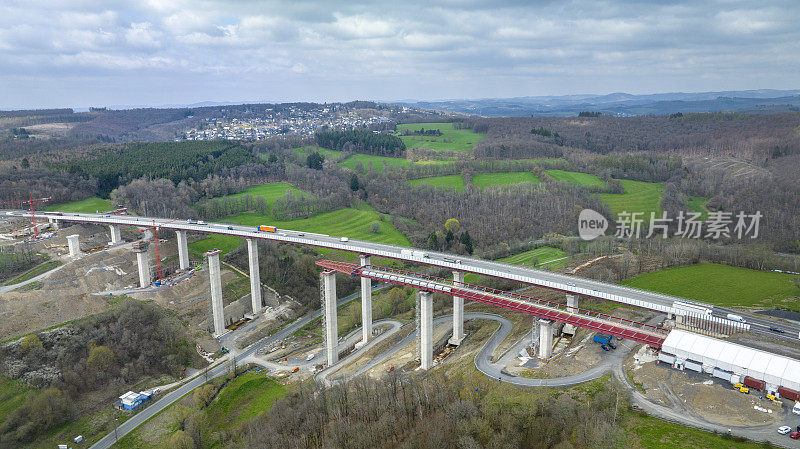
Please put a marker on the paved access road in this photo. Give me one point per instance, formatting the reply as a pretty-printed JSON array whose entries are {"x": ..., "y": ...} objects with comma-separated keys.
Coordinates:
[{"x": 215, "y": 371}]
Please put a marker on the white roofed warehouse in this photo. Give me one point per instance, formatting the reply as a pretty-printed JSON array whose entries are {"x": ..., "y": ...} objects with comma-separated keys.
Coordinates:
[{"x": 733, "y": 362}]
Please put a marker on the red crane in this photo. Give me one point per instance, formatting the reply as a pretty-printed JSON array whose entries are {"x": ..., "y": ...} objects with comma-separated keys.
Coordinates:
[
  {"x": 30, "y": 201},
  {"x": 155, "y": 237}
]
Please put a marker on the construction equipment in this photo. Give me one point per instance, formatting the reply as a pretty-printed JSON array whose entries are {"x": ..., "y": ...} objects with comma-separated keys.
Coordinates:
[{"x": 30, "y": 201}]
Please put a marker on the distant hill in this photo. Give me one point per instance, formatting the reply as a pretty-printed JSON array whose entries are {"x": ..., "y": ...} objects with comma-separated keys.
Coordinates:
[{"x": 622, "y": 104}]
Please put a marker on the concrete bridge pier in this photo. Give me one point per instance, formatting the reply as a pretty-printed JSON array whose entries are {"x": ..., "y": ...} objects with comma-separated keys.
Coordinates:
[
  {"x": 255, "y": 275},
  {"x": 215, "y": 280},
  {"x": 183, "y": 250},
  {"x": 572, "y": 303},
  {"x": 458, "y": 312},
  {"x": 74, "y": 245},
  {"x": 366, "y": 304},
  {"x": 116, "y": 237},
  {"x": 144, "y": 264},
  {"x": 328, "y": 290},
  {"x": 425, "y": 330},
  {"x": 545, "y": 339}
]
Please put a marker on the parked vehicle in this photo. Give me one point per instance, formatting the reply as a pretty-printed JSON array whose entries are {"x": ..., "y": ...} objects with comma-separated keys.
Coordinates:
[
  {"x": 796, "y": 408},
  {"x": 612, "y": 345},
  {"x": 296, "y": 369},
  {"x": 783, "y": 430},
  {"x": 776, "y": 329},
  {"x": 267, "y": 228},
  {"x": 744, "y": 390},
  {"x": 734, "y": 317},
  {"x": 605, "y": 347},
  {"x": 794, "y": 435}
]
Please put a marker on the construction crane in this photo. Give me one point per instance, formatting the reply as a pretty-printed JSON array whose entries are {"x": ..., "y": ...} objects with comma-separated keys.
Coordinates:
[
  {"x": 30, "y": 201},
  {"x": 155, "y": 237}
]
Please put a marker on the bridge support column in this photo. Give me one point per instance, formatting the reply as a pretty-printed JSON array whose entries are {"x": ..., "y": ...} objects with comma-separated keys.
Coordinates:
[
  {"x": 425, "y": 330},
  {"x": 458, "y": 312},
  {"x": 183, "y": 250},
  {"x": 572, "y": 303},
  {"x": 116, "y": 237},
  {"x": 255, "y": 275},
  {"x": 366, "y": 304},
  {"x": 144, "y": 267},
  {"x": 328, "y": 291},
  {"x": 74, "y": 245},
  {"x": 215, "y": 281},
  {"x": 545, "y": 339}
]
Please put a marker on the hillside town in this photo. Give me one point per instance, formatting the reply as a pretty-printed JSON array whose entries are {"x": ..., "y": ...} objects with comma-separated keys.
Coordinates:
[{"x": 293, "y": 119}]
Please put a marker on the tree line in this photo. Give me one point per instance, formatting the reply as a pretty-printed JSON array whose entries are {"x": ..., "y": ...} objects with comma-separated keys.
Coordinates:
[{"x": 361, "y": 141}]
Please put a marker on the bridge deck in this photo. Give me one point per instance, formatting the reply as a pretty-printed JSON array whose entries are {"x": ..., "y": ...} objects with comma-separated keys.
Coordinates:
[{"x": 639, "y": 332}]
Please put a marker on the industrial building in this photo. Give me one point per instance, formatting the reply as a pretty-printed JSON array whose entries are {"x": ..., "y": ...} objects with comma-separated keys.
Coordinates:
[{"x": 732, "y": 362}]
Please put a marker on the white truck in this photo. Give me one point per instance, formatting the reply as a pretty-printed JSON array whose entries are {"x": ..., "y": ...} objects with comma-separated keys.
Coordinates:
[{"x": 734, "y": 317}]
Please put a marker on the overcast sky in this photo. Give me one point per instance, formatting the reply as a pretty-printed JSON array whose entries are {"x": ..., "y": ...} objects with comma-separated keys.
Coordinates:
[{"x": 78, "y": 53}]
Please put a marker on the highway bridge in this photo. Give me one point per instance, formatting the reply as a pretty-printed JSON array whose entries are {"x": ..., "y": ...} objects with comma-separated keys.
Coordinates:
[{"x": 573, "y": 286}]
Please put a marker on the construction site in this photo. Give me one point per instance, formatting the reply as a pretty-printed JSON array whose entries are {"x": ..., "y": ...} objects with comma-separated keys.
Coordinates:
[{"x": 557, "y": 344}]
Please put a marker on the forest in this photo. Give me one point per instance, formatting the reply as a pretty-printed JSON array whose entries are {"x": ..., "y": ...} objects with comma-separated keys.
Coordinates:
[
  {"x": 82, "y": 366},
  {"x": 176, "y": 161},
  {"x": 433, "y": 412},
  {"x": 361, "y": 141}
]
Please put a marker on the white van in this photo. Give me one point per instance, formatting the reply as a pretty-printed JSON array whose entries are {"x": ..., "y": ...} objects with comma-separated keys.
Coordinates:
[
  {"x": 738, "y": 318},
  {"x": 796, "y": 408}
]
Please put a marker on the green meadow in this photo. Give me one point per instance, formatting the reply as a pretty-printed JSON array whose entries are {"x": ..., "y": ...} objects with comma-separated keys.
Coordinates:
[
  {"x": 450, "y": 140},
  {"x": 502, "y": 179}
]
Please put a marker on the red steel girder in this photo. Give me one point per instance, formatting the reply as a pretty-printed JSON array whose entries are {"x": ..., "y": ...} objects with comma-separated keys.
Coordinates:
[{"x": 640, "y": 332}]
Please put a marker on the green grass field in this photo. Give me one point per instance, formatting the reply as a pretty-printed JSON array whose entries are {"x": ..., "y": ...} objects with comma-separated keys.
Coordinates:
[
  {"x": 698, "y": 204},
  {"x": 542, "y": 258},
  {"x": 722, "y": 285},
  {"x": 377, "y": 162},
  {"x": 551, "y": 258},
  {"x": 270, "y": 191},
  {"x": 352, "y": 223},
  {"x": 450, "y": 140},
  {"x": 501, "y": 179},
  {"x": 449, "y": 182},
  {"x": 243, "y": 398},
  {"x": 43, "y": 268},
  {"x": 638, "y": 197},
  {"x": 584, "y": 179},
  {"x": 653, "y": 433},
  {"x": 224, "y": 243},
  {"x": 87, "y": 206}
]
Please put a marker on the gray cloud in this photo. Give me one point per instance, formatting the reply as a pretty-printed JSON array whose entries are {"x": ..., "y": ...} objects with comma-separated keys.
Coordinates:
[{"x": 92, "y": 52}]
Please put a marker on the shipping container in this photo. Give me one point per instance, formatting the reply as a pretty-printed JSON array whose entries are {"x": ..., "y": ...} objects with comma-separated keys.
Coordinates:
[
  {"x": 602, "y": 338},
  {"x": 693, "y": 365},
  {"x": 788, "y": 393},
  {"x": 666, "y": 358},
  {"x": 754, "y": 383},
  {"x": 267, "y": 228}
]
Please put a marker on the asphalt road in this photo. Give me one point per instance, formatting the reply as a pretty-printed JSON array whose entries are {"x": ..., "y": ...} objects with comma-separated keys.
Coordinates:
[
  {"x": 570, "y": 284},
  {"x": 216, "y": 371}
]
